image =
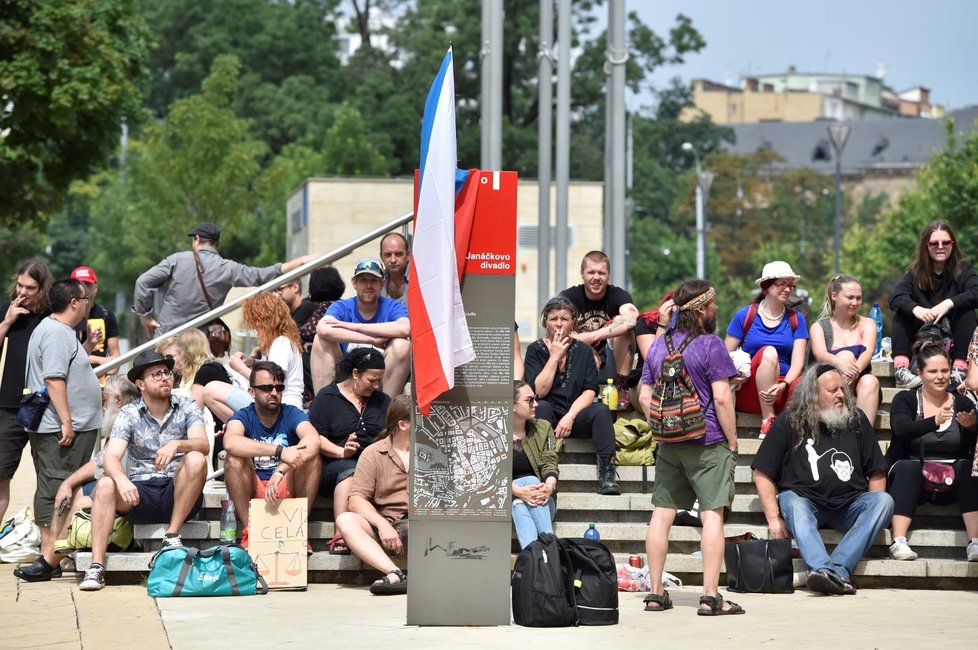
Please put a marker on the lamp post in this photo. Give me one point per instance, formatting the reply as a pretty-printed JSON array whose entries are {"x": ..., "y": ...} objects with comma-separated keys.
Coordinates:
[
  {"x": 703, "y": 182},
  {"x": 838, "y": 134}
]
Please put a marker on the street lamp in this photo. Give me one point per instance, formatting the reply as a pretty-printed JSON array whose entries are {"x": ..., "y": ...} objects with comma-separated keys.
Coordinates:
[
  {"x": 703, "y": 182},
  {"x": 838, "y": 134}
]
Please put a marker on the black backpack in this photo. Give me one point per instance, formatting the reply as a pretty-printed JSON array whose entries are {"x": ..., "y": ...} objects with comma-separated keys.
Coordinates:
[
  {"x": 595, "y": 579},
  {"x": 543, "y": 593}
]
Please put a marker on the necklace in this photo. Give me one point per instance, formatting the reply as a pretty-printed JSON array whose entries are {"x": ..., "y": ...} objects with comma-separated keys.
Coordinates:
[{"x": 761, "y": 308}]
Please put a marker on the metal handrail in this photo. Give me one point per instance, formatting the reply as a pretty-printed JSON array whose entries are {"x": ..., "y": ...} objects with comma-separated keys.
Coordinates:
[{"x": 285, "y": 278}]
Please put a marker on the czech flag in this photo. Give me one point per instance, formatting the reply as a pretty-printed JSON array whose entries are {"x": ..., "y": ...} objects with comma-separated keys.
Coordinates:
[{"x": 439, "y": 333}]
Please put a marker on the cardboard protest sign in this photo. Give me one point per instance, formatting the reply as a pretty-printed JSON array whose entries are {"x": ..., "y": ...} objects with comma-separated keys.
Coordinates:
[{"x": 277, "y": 537}]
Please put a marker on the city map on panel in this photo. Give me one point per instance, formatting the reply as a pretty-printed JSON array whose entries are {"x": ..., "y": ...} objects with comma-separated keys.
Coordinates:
[{"x": 458, "y": 453}]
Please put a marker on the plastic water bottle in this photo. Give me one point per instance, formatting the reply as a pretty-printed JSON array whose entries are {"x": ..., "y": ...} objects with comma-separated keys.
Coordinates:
[
  {"x": 592, "y": 533},
  {"x": 229, "y": 524},
  {"x": 609, "y": 395},
  {"x": 886, "y": 349},
  {"x": 877, "y": 317}
]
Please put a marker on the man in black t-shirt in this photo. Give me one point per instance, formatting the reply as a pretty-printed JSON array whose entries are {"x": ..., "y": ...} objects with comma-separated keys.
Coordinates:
[
  {"x": 99, "y": 331},
  {"x": 820, "y": 466},
  {"x": 27, "y": 306},
  {"x": 607, "y": 315}
]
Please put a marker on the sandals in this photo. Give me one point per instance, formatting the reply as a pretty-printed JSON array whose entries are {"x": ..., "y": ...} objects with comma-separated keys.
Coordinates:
[
  {"x": 715, "y": 604},
  {"x": 337, "y": 546},
  {"x": 664, "y": 602},
  {"x": 826, "y": 582},
  {"x": 384, "y": 586}
]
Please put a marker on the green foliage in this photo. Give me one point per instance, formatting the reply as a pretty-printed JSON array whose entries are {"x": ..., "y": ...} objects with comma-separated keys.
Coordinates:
[
  {"x": 68, "y": 78},
  {"x": 348, "y": 151}
]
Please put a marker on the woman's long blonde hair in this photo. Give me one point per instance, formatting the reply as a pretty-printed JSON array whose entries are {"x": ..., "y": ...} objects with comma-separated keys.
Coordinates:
[{"x": 196, "y": 351}]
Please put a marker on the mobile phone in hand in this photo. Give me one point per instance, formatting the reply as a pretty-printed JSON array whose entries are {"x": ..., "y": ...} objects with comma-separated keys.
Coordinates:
[{"x": 63, "y": 506}]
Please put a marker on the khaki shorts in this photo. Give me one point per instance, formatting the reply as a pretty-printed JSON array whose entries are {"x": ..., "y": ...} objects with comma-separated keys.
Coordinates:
[
  {"x": 685, "y": 473},
  {"x": 53, "y": 464}
]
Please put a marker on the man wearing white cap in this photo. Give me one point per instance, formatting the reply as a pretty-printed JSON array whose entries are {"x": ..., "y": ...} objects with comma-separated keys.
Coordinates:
[
  {"x": 368, "y": 319},
  {"x": 99, "y": 332}
]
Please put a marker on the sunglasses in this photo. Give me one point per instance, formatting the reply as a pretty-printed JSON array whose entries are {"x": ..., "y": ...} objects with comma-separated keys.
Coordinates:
[
  {"x": 934, "y": 245},
  {"x": 368, "y": 265},
  {"x": 268, "y": 388},
  {"x": 530, "y": 400}
]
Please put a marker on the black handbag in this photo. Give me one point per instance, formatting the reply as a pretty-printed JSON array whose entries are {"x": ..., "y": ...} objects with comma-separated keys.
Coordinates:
[
  {"x": 32, "y": 408},
  {"x": 760, "y": 566}
]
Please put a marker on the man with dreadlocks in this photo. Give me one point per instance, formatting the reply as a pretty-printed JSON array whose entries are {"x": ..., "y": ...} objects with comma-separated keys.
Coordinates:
[
  {"x": 700, "y": 468},
  {"x": 821, "y": 467}
]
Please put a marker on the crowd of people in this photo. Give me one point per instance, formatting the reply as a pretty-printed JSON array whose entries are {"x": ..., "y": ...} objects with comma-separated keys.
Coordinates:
[{"x": 317, "y": 407}]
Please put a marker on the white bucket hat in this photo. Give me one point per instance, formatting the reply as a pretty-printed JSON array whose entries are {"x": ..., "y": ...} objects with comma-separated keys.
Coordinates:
[{"x": 775, "y": 270}]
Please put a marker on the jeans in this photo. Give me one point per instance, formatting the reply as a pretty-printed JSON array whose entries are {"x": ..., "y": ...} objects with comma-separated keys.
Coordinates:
[
  {"x": 861, "y": 522},
  {"x": 529, "y": 520}
]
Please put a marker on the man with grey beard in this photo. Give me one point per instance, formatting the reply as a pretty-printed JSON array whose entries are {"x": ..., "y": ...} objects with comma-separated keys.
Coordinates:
[{"x": 820, "y": 466}]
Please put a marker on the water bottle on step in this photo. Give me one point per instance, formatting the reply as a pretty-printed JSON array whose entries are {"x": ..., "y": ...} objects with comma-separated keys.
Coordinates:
[{"x": 592, "y": 533}]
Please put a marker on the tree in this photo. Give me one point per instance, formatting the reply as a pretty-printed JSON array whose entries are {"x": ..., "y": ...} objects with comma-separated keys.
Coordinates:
[{"x": 69, "y": 74}]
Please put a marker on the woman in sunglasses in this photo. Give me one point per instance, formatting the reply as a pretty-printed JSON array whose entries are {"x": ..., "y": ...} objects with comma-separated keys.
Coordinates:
[
  {"x": 939, "y": 288},
  {"x": 776, "y": 338},
  {"x": 534, "y": 468},
  {"x": 564, "y": 377}
]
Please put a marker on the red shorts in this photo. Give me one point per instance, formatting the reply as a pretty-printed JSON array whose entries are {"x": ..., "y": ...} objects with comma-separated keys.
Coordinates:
[
  {"x": 748, "y": 401},
  {"x": 282, "y": 492}
]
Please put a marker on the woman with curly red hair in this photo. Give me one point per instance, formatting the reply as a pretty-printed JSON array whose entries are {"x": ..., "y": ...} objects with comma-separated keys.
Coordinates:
[{"x": 278, "y": 341}]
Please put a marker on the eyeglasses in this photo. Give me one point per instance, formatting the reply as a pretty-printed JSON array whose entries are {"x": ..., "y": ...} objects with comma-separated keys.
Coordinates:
[
  {"x": 160, "y": 375},
  {"x": 934, "y": 245},
  {"x": 372, "y": 266},
  {"x": 83, "y": 298},
  {"x": 268, "y": 388},
  {"x": 781, "y": 284}
]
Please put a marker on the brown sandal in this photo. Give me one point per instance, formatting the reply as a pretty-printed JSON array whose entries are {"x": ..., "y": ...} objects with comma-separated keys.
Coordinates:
[
  {"x": 715, "y": 604},
  {"x": 664, "y": 602}
]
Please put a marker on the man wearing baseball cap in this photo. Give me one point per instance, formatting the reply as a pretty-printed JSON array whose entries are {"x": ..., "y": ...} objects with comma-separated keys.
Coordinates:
[
  {"x": 199, "y": 280},
  {"x": 99, "y": 332},
  {"x": 369, "y": 319}
]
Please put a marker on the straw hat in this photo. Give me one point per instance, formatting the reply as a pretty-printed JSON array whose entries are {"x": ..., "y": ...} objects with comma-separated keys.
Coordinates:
[{"x": 776, "y": 270}]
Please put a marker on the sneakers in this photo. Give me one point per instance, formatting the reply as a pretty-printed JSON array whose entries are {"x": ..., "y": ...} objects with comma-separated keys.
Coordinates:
[
  {"x": 905, "y": 378},
  {"x": 94, "y": 578},
  {"x": 972, "y": 550},
  {"x": 172, "y": 541},
  {"x": 39, "y": 571},
  {"x": 900, "y": 550},
  {"x": 765, "y": 427}
]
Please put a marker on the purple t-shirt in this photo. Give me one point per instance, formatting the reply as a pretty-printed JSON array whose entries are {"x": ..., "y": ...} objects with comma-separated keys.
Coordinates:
[{"x": 707, "y": 360}]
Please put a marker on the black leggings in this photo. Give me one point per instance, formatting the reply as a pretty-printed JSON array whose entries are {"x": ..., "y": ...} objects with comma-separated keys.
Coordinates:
[
  {"x": 963, "y": 325},
  {"x": 593, "y": 422},
  {"x": 905, "y": 485}
]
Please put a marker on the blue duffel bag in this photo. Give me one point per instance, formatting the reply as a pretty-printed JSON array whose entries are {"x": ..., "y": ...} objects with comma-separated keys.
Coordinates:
[{"x": 216, "y": 571}]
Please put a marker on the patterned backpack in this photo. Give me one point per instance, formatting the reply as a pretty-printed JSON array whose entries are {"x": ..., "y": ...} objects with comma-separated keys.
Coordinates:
[{"x": 675, "y": 412}]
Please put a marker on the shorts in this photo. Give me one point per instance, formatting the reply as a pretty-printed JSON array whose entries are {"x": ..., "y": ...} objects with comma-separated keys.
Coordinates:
[
  {"x": 13, "y": 439},
  {"x": 748, "y": 401},
  {"x": 685, "y": 473},
  {"x": 401, "y": 526},
  {"x": 282, "y": 492},
  {"x": 53, "y": 464},
  {"x": 156, "y": 502},
  {"x": 334, "y": 472},
  {"x": 238, "y": 399}
]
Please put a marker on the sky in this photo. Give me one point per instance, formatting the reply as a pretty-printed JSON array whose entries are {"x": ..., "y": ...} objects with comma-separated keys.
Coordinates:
[{"x": 931, "y": 44}]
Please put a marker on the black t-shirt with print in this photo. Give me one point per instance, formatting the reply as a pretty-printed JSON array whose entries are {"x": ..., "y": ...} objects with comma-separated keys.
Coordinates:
[
  {"x": 595, "y": 314},
  {"x": 579, "y": 374},
  {"x": 832, "y": 472}
]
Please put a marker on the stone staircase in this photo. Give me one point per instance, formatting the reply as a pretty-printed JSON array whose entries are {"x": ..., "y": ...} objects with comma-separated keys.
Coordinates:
[{"x": 937, "y": 536}]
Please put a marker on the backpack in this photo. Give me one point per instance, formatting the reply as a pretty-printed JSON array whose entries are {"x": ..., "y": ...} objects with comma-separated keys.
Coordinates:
[
  {"x": 675, "y": 412},
  {"x": 543, "y": 595},
  {"x": 20, "y": 538},
  {"x": 595, "y": 578},
  {"x": 633, "y": 443},
  {"x": 79, "y": 536}
]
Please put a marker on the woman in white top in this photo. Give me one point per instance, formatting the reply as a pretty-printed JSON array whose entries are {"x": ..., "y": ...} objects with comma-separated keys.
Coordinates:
[{"x": 278, "y": 341}]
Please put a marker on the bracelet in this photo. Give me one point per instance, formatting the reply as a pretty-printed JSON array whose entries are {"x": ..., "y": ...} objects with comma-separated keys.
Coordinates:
[{"x": 279, "y": 472}]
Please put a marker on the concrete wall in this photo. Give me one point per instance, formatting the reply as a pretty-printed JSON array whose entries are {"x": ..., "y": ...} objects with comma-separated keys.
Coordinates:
[{"x": 326, "y": 213}]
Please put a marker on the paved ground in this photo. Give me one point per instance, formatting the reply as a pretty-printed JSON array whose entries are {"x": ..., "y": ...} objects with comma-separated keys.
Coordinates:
[{"x": 56, "y": 615}]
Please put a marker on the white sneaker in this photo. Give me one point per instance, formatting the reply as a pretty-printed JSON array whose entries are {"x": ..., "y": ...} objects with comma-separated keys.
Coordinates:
[
  {"x": 972, "y": 550},
  {"x": 905, "y": 378},
  {"x": 900, "y": 550},
  {"x": 172, "y": 542},
  {"x": 94, "y": 578}
]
